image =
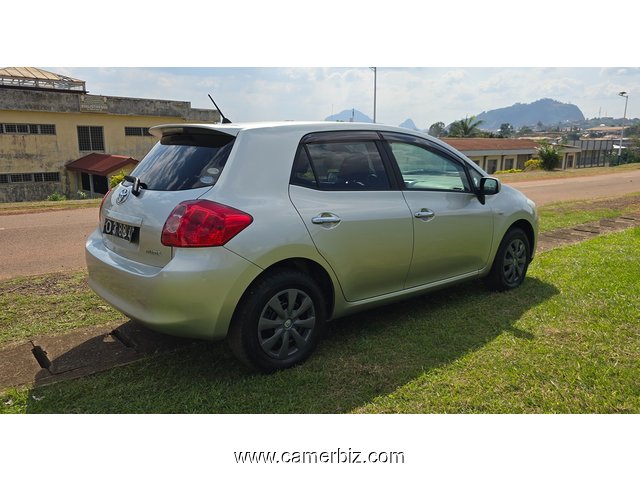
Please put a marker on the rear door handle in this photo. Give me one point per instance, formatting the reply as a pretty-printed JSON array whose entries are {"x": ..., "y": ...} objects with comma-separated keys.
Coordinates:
[
  {"x": 324, "y": 218},
  {"x": 424, "y": 213}
]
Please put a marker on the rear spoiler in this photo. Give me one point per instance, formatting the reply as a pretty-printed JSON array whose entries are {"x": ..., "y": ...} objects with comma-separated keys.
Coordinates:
[{"x": 201, "y": 129}]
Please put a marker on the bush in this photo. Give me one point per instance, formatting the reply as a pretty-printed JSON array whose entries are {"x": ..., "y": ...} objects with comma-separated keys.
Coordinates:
[
  {"x": 116, "y": 179},
  {"x": 81, "y": 195},
  {"x": 56, "y": 197},
  {"x": 549, "y": 156},
  {"x": 533, "y": 164},
  {"x": 511, "y": 170}
]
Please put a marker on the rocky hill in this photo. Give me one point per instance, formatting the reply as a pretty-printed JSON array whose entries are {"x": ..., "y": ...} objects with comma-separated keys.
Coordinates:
[
  {"x": 547, "y": 111},
  {"x": 347, "y": 115}
]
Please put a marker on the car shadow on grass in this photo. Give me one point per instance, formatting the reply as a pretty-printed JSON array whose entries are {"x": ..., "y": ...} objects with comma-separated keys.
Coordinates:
[{"x": 361, "y": 357}]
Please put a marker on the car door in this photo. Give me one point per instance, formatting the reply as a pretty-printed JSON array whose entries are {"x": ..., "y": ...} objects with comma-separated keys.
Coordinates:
[
  {"x": 453, "y": 231},
  {"x": 359, "y": 224}
]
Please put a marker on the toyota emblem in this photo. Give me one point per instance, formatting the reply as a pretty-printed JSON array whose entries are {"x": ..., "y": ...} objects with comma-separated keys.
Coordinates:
[{"x": 122, "y": 196}]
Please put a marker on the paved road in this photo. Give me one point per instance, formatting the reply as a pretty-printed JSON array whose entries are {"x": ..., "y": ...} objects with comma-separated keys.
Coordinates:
[
  {"x": 47, "y": 242},
  {"x": 54, "y": 241},
  {"x": 580, "y": 188}
]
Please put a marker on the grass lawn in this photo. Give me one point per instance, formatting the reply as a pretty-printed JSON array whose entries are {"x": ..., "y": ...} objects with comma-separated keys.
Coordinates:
[
  {"x": 569, "y": 214},
  {"x": 569, "y": 173},
  {"x": 45, "y": 206},
  {"x": 46, "y": 304},
  {"x": 567, "y": 341}
]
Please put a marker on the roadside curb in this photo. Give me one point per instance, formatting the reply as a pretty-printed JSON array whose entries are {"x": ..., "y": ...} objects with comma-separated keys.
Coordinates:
[{"x": 45, "y": 360}]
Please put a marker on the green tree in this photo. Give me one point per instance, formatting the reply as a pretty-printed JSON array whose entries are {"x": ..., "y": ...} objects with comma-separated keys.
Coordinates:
[
  {"x": 437, "y": 130},
  {"x": 571, "y": 136},
  {"x": 467, "y": 127},
  {"x": 506, "y": 130},
  {"x": 524, "y": 130},
  {"x": 549, "y": 156}
]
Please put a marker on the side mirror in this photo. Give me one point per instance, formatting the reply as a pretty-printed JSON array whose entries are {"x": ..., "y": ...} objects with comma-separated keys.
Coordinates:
[{"x": 488, "y": 186}]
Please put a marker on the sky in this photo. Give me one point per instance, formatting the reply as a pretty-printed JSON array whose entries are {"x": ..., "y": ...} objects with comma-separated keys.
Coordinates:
[
  {"x": 279, "y": 61},
  {"x": 425, "y": 95}
]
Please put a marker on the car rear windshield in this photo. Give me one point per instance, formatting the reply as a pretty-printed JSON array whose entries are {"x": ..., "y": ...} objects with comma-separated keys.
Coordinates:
[{"x": 184, "y": 161}]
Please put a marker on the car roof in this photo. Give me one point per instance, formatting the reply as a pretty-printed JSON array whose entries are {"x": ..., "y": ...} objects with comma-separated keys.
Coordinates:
[
  {"x": 289, "y": 126},
  {"x": 302, "y": 127}
]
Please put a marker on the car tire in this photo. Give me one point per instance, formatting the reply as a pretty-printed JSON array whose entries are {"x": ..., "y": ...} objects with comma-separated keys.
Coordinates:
[
  {"x": 278, "y": 321},
  {"x": 511, "y": 262}
]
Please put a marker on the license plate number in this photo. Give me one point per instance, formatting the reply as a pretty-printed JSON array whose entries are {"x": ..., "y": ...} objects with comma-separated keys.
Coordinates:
[{"x": 120, "y": 230}]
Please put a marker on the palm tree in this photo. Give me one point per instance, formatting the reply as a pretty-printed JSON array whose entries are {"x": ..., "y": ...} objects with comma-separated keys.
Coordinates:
[{"x": 467, "y": 127}]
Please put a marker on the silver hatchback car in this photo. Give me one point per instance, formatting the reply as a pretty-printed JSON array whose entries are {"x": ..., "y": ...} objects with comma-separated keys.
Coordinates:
[{"x": 263, "y": 232}]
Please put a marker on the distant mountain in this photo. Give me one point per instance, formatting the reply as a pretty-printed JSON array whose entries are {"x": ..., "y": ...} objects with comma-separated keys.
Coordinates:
[
  {"x": 408, "y": 123},
  {"x": 347, "y": 115},
  {"x": 549, "y": 112}
]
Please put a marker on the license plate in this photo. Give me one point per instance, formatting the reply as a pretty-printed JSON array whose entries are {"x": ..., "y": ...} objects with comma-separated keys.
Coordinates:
[{"x": 120, "y": 230}]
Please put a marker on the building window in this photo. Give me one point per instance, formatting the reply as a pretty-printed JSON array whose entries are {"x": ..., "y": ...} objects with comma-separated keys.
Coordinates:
[
  {"x": 508, "y": 164},
  {"x": 86, "y": 181},
  {"x": 30, "y": 177},
  {"x": 136, "y": 132},
  {"x": 91, "y": 139},
  {"x": 27, "y": 129},
  {"x": 492, "y": 165}
]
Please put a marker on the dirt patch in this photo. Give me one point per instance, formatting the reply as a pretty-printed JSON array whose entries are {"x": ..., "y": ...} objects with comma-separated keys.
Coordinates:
[
  {"x": 55, "y": 284},
  {"x": 615, "y": 203}
]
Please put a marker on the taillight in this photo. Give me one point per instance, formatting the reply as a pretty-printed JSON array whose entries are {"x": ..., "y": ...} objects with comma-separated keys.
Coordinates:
[
  {"x": 202, "y": 223},
  {"x": 101, "y": 204}
]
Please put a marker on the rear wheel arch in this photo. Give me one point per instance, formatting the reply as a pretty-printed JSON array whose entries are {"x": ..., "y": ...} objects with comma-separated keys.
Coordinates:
[
  {"x": 316, "y": 271},
  {"x": 267, "y": 332}
]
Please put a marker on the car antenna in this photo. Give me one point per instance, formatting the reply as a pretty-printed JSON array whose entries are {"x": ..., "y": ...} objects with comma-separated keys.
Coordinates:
[{"x": 224, "y": 119}]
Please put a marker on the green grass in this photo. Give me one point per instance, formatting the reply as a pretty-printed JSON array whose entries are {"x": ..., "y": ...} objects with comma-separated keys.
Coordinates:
[
  {"x": 569, "y": 173},
  {"x": 46, "y": 304},
  {"x": 567, "y": 341},
  {"x": 46, "y": 206},
  {"x": 569, "y": 214}
]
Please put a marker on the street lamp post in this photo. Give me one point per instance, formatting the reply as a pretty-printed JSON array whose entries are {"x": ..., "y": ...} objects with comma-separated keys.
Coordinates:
[
  {"x": 624, "y": 118},
  {"x": 375, "y": 75}
]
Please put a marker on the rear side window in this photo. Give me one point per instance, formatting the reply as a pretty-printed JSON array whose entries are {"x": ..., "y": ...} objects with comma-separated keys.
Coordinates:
[
  {"x": 185, "y": 161},
  {"x": 353, "y": 165}
]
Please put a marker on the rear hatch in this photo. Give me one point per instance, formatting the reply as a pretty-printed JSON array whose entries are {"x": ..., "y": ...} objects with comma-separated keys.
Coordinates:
[{"x": 183, "y": 165}]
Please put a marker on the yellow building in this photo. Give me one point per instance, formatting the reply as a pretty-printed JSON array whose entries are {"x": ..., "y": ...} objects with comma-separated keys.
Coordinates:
[{"x": 55, "y": 137}]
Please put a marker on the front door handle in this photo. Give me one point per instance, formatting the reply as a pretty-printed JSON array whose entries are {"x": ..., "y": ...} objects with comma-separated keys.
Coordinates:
[
  {"x": 325, "y": 218},
  {"x": 424, "y": 213}
]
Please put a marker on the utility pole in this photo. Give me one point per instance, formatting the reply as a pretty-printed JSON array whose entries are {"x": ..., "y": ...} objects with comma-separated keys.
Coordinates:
[
  {"x": 624, "y": 118},
  {"x": 375, "y": 78}
]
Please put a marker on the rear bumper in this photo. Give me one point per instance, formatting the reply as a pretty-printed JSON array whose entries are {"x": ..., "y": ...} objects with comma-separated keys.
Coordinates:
[{"x": 193, "y": 296}]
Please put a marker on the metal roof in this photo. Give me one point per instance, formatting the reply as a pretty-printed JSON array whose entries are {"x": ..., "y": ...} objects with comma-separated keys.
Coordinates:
[
  {"x": 100, "y": 163},
  {"x": 31, "y": 77}
]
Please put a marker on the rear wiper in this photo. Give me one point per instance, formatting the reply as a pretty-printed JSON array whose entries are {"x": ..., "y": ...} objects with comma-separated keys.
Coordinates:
[{"x": 137, "y": 184}]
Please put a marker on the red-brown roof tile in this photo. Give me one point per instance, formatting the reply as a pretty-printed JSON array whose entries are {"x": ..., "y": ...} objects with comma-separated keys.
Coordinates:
[
  {"x": 100, "y": 163},
  {"x": 474, "y": 144}
]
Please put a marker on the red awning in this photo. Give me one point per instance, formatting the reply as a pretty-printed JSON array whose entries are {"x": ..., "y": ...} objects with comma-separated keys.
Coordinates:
[{"x": 100, "y": 163}]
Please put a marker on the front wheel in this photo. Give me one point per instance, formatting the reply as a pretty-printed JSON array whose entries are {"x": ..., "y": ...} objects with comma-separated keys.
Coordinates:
[
  {"x": 278, "y": 321},
  {"x": 511, "y": 262}
]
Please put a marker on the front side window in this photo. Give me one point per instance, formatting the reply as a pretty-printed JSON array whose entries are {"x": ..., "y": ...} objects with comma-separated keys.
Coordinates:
[
  {"x": 344, "y": 165},
  {"x": 425, "y": 169}
]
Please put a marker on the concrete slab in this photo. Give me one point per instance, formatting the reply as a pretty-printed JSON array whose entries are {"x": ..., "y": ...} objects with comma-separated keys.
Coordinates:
[
  {"x": 147, "y": 341},
  {"x": 89, "y": 350},
  {"x": 18, "y": 366}
]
